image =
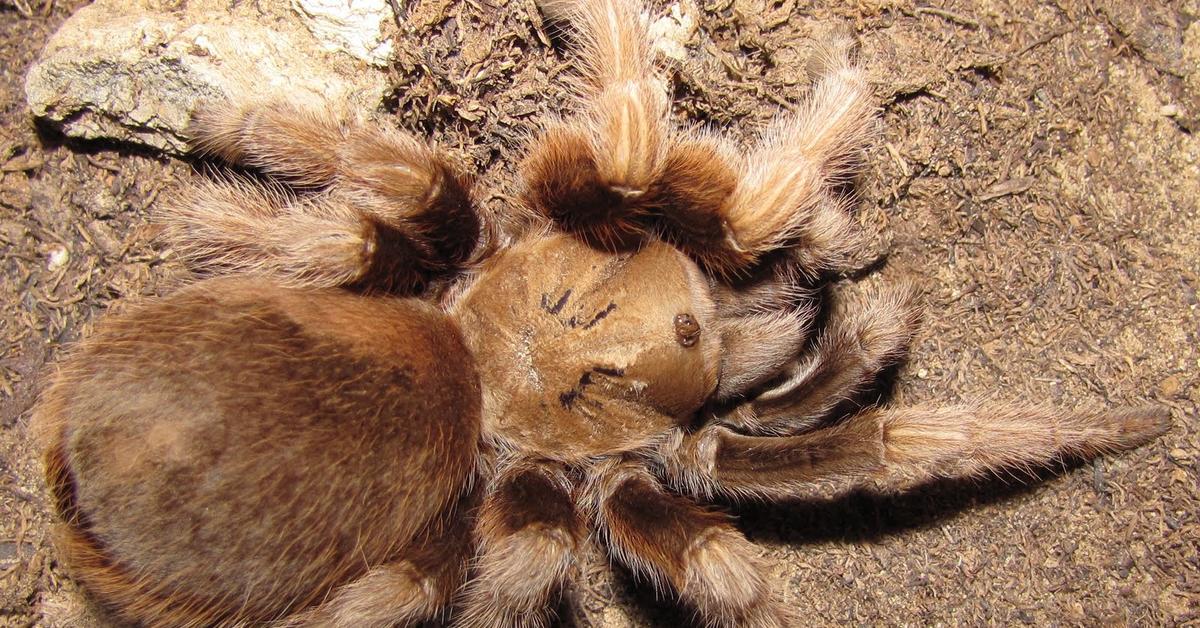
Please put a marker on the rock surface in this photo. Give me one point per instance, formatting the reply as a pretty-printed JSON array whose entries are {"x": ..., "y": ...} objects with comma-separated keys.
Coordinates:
[
  {"x": 133, "y": 70},
  {"x": 676, "y": 31},
  {"x": 355, "y": 27}
]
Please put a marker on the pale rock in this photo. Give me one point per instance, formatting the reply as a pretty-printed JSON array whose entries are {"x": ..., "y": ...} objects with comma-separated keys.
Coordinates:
[
  {"x": 355, "y": 27},
  {"x": 57, "y": 257},
  {"x": 675, "y": 31},
  {"x": 134, "y": 70}
]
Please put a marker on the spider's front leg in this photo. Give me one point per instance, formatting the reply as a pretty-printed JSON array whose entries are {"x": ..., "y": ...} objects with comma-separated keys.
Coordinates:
[
  {"x": 866, "y": 334},
  {"x": 901, "y": 447},
  {"x": 528, "y": 533},
  {"x": 351, "y": 204},
  {"x": 615, "y": 172},
  {"x": 681, "y": 546},
  {"x": 593, "y": 173},
  {"x": 729, "y": 212}
]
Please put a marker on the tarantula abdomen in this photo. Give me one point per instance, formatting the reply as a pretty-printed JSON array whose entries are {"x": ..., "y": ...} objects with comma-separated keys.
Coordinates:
[{"x": 355, "y": 426}]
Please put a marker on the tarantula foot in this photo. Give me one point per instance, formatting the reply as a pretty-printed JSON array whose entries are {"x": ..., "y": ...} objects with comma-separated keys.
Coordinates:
[
  {"x": 1138, "y": 425},
  {"x": 726, "y": 584},
  {"x": 835, "y": 49}
]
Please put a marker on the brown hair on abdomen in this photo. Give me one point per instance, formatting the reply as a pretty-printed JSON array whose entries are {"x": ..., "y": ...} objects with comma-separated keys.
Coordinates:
[{"x": 327, "y": 429}]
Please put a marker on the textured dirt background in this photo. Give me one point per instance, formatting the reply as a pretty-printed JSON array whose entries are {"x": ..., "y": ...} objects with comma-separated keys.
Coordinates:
[{"x": 1033, "y": 176}]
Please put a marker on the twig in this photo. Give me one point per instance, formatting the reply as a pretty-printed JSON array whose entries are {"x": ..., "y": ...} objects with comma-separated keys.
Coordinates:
[
  {"x": 895, "y": 155},
  {"x": 957, "y": 18},
  {"x": 397, "y": 14},
  {"x": 1046, "y": 39},
  {"x": 103, "y": 166},
  {"x": 23, "y": 8},
  {"x": 1007, "y": 188}
]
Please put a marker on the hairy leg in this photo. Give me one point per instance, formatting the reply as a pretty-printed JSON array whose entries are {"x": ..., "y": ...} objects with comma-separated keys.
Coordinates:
[
  {"x": 866, "y": 334},
  {"x": 900, "y": 447},
  {"x": 755, "y": 347},
  {"x": 782, "y": 198},
  {"x": 591, "y": 173},
  {"x": 681, "y": 546},
  {"x": 613, "y": 173},
  {"x": 729, "y": 213},
  {"x": 317, "y": 241},
  {"x": 392, "y": 207},
  {"x": 764, "y": 321},
  {"x": 528, "y": 533}
]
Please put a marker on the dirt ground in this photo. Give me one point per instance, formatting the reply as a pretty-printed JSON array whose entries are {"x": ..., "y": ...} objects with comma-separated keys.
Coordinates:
[{"x": 1030, "y": 177}]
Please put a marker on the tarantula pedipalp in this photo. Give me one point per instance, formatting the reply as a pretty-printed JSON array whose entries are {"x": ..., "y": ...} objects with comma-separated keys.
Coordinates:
[{"x": 301, "y": 444}]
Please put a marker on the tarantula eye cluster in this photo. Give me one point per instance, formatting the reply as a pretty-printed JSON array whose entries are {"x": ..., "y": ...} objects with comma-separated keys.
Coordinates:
[
  {"x": 370, "y": 413},
  {"x": 687, "y": 330}
]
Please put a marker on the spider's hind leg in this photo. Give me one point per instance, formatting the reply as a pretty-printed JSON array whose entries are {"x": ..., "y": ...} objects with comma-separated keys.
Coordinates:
[
  {"x": 680, "y": 545},
  {"x": 528, "y": 532},
  {"x": 395, "y": 208}
]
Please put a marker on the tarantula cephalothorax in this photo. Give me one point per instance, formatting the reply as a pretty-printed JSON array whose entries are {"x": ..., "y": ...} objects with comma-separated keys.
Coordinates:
[{"x": 301, "y": 444}]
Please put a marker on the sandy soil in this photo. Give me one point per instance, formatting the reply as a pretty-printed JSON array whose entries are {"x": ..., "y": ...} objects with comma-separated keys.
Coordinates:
[{"x": 1028, "y": 177}]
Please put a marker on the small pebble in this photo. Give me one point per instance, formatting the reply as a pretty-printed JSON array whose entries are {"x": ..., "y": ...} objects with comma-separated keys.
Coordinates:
[
  {"x": 1170, "y": 386},
  {"x": 57, "y": 258}
]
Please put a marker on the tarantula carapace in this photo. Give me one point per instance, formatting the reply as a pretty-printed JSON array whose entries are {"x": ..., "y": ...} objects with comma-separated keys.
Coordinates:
[{"x": 394, "y": 404}]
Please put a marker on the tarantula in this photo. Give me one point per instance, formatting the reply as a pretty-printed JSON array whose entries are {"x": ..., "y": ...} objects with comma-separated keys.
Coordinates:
[{"x": 306, "y": 442}]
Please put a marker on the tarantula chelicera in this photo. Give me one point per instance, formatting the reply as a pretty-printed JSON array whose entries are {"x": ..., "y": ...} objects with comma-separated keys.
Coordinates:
[{"x": 395, "y": 404}]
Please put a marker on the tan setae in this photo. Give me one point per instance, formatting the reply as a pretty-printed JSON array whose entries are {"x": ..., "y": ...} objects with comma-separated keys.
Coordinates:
[{"x": 391, "y": 407}]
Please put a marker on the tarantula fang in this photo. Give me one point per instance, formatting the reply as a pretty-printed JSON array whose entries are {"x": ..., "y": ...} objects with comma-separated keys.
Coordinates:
[{"x": 393, "y": 404}]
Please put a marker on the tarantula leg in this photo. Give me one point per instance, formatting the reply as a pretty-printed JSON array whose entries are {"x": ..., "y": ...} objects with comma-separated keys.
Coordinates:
[
  {"x": 406, "y": 189},
  {"x": 680, "y": 545},
  {"x": 865, "y": 335},
  {"x": 418, "y": 588},
  {"x": 900, "y": 447},
  {"x": 314, "y": 241},
  {"x": 755, "y": 347},
  {"x": 412, "y": 188},
  {"x": 774, "y": 285},
  {"x": 591, "y": 173},
  {"x": 782, "y": 199},
  {"x": 528, "y": 532}
]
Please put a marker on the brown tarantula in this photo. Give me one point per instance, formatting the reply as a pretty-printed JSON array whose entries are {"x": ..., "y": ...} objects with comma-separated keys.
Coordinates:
[{"x": 305, "y": 442}]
